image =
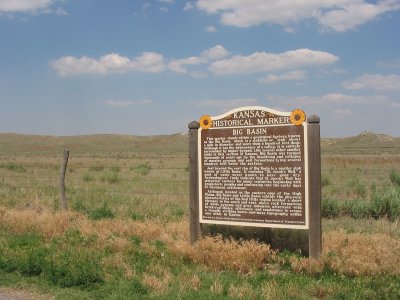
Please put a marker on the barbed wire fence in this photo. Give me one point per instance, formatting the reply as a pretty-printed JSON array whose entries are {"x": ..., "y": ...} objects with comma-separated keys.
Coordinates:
[{"x": 357, "y": 182}]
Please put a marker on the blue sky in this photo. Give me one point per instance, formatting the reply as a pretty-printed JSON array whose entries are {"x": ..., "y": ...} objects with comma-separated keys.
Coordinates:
[{"x": 72, "y": 67}]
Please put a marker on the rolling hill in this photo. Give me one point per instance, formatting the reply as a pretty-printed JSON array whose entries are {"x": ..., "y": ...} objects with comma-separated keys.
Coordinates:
[{"x": 364, "y": 143}]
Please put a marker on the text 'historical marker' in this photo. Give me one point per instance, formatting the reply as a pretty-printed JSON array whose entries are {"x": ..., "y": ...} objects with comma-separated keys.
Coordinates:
[{"x": 253, "y": 168}]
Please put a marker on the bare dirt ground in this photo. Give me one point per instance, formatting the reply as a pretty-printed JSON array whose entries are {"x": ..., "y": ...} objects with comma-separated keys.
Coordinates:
[{"x": 12, "y": 294}]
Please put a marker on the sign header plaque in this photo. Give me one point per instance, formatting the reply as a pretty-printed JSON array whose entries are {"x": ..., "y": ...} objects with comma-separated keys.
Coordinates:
[{"x": 253, "y": 168}]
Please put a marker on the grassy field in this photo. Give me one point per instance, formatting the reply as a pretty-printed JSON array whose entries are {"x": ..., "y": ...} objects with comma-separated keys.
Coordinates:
[{"x": 125, "y": 235}]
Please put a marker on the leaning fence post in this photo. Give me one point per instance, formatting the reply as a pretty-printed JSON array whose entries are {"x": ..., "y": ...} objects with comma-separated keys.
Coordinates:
[
  {"x": 63, "y": 198},
  {"x": 314, "y": 169},
  {"x": 195, "y": 228}
]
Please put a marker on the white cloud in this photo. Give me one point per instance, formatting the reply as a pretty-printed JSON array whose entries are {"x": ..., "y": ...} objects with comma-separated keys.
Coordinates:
[
  {"x": 294, "y": 75},
  {"x": 111, "y": 63},
  {"x": 263, "y": 61},
  {"x": 216, "y": 60},
  {"x": 24, "y": 5},
  {"x": 31, "y": 6},
  {"x": 188, "y": 6},
  {"x": 355, "y": 13},
  {"x": 212, "y": 54},
  {"x": 374, "y": 82},
  {"x": 126, "y": 103},
  {"x": 339, "y": 15},
  {"x": 166, "y": 1},
  {"x": 211, "y": 29}
]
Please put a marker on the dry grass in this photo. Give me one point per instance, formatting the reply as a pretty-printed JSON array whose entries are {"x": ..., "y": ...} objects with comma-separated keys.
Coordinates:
[
  {"x": 222, "y": 254},
  {"x": 158, "y": 279},
  {"x": 344, "y": 253},
  {"x": 217, "y": 288},
  {"x": 271, "y": 291},
  {"x": 360, "y": 254},
  {"x": 354, "y": 254},
  {"x": 189, "y": 282},
  {"x": 242, "y": 291},
  {"x": 56, "y": 224}
]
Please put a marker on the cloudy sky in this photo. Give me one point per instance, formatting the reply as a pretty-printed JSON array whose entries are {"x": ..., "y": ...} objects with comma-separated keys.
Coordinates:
[{"x": 70, "y": 67}]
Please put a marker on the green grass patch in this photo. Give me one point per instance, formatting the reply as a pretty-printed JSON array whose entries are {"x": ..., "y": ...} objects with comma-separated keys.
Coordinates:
[
  {"x": 142, "y": 169},
  {"x": 103, "y": 212},
  {"x": 110, "y": 177},
  {"x": 395, "y": 178},
  {"x": 88, "y": 177},
  {"x": 13, "y": 166}
]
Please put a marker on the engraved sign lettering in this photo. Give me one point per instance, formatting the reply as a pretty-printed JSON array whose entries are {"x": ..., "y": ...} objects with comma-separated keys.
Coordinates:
[{"x": 253, "y": 169}]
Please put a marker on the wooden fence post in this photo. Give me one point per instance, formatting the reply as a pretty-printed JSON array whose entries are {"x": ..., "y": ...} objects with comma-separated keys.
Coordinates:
[
  {"x": 195, "y": 228},
  {"x": 314, "y": 171},
  {"x": 63, "y": 198}
]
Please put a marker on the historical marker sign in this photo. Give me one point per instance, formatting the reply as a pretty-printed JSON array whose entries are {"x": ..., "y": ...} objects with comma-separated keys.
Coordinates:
[{"x": 253, "y": 168}]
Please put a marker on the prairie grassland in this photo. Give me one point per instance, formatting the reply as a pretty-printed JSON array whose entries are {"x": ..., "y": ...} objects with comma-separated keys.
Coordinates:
[
  {"x": 126, "y": 232},
  {"x": 155, "y": 260}
]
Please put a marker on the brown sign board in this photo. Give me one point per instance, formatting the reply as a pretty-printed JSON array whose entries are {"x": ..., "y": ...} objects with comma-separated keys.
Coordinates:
[{"x": 253, "y": 168}]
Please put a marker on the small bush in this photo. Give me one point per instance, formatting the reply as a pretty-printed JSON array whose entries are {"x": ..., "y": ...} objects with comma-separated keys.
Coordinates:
[
  {"x": 12, "y": 166},
  {"x": 104, "y": 212},
  {"x": 137, "y": 217},
  {"x": 111, "y": 177},
  {"x": 24, "y": 253},
  {"x": 386, "y": 203},
  {"x": 357, "y": 208},
  {"x": 357, "y": 187},
  {"x": 143, "y": 169},
  {"x": 330, "y": 208},
  {"x": 395, "y": 178},
  {"x": 74, "y": 267}
]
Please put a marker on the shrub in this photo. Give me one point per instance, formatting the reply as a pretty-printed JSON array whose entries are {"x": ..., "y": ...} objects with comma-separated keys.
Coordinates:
[
  {"x": 24, "y": 253},
  {"x": 143, "y": 169},
  {"x": 110, "y": 177},
  {"x": 74, "y": 267},
  {"x": 137, "y": 216},
  {"x": 386, "y": 202},
  {"x": 357, "y": 208},
  {"x": 103, "y": 212},
  {"x": 357, "y": 187},
  {"x": 330, "y": 208},
  {"x": 395, "y": 178},
  {"x": 12, "y": 166}
]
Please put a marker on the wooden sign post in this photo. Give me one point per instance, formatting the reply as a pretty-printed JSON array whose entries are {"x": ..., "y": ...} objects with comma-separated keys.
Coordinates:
[{"x": 254, "y": 166}]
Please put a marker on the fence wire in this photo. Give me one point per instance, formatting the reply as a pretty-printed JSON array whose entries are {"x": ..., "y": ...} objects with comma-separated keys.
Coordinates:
[{"x": 361, "y": 186}]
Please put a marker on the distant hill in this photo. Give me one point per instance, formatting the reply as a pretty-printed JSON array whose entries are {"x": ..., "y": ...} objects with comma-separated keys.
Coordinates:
[
  {"x": 364, "y": 143},
  {"x": 20, "y": 143}
]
